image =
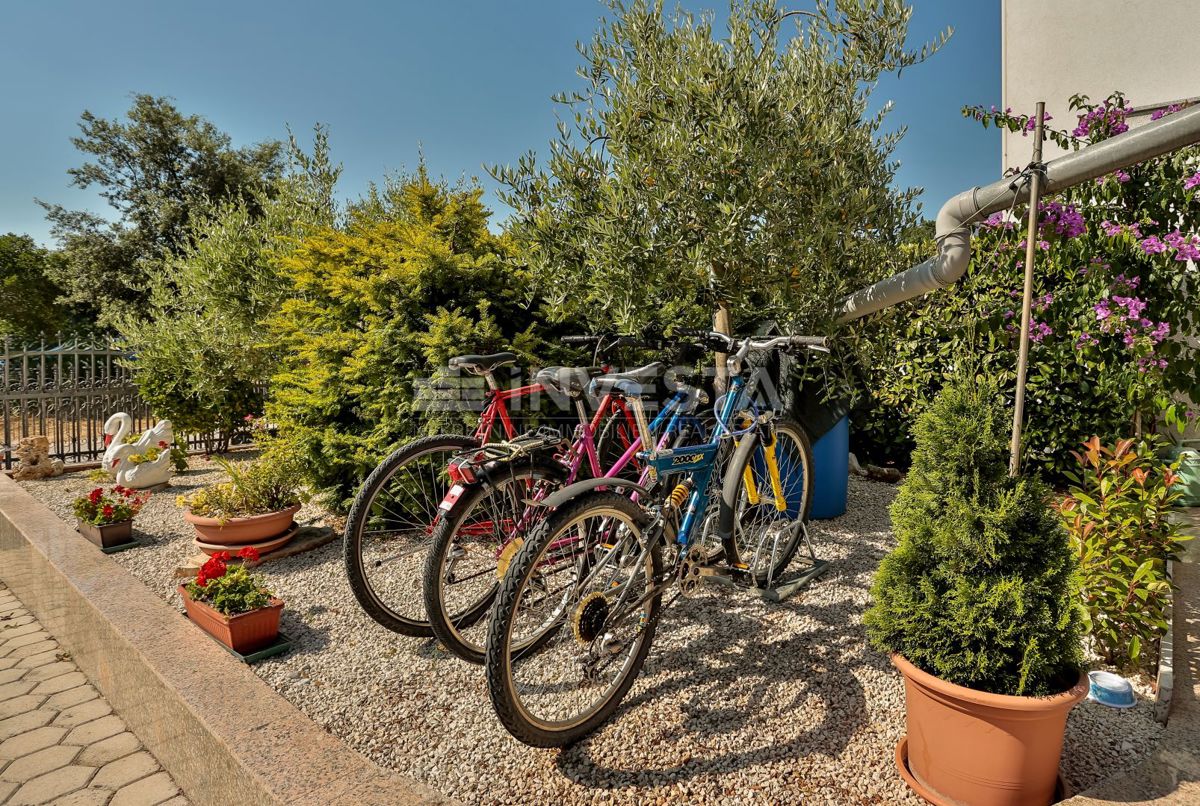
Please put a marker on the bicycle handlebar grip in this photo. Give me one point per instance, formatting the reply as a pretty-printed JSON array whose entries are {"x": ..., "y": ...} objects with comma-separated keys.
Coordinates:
[{"x": 810, "y": 341}]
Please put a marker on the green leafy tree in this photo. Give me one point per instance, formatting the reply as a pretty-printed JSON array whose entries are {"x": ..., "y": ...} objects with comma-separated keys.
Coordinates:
[
  {"x": 741, "y": 175},
  {"x": 29, "y": 305},
  {"x": 201, "y": 346},
  {"x": 377, "y": 306},
  {"x": 981, "y": 590},
  {"x": 155, "y": 168}
]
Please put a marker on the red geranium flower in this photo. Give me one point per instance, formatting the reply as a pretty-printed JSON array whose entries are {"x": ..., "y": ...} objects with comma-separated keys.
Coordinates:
[
  {"x": 214, "y": 567},
  {"x": 250, "y": 554},
  {"x": 95, "y": 495},
  {"x": 107, "y": 511},
  {"x": 201, "y": 579}
]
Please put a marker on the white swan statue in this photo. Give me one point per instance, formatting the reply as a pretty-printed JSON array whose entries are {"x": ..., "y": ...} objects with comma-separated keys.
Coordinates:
[
  {"x": 116, "y": 428},
  {"x": 141, "y": 475}
]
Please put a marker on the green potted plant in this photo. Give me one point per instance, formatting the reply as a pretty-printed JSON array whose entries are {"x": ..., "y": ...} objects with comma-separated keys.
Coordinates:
[
  {"x": 254, "y": 507},
  {"x": 978, "y": 606},
  {"x": 231, "y": 604},
  {"x": 106, "y": 519}
]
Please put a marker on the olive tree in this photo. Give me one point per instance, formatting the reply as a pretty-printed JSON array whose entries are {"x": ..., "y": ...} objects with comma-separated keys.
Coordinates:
[{"x": 741, "y": 175}]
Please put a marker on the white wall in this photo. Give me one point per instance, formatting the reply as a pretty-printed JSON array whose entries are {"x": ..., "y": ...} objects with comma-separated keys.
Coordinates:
[{"x": 1052, "y": 49}]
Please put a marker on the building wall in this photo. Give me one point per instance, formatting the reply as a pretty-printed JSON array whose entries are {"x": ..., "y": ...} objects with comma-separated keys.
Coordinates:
[{"x": 1052, "y": 49}]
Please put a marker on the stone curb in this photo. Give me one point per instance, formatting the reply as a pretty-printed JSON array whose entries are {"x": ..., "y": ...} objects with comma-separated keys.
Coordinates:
[
  {"x": 223, "y": 734},
  {"x": 1165, "y": 680}
]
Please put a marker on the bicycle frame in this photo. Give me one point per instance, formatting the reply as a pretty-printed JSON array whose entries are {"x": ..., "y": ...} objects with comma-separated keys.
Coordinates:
[{"x": 584, "y": 446}]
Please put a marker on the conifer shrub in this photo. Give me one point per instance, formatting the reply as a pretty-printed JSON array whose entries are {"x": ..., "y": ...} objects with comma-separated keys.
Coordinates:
[
  {"x": 377, "y": 306},
  {"x": 981, "y": 590}
]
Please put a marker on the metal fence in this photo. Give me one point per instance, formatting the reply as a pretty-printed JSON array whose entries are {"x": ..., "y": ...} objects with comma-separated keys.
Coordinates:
[{"x": 65, "y": 390}]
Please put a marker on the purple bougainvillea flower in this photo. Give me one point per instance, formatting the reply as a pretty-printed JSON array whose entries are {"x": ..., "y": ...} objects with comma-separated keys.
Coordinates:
[
  {"x": 1102, "y": 310},
  {"x": 1039, "y": 331},
  {"x": 1188, "y": 251},
  {"x": 1192, "y": 181},
  {"x": 1110, "y": 228},
  {"x": 1153, "y": 246},
  {"x": 1161, "y": 332}
]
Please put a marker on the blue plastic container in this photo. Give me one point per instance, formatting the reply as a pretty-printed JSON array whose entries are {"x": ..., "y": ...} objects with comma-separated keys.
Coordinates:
[{"x": 831, "y": 466}]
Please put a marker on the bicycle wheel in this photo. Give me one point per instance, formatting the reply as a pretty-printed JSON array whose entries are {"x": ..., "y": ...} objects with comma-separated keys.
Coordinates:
[
  {"x": 759, "y": 533},
  {"x": 389, "y": 528},
  {"x": 472, "y": 546},
  {"x": 591, "y": 565}
]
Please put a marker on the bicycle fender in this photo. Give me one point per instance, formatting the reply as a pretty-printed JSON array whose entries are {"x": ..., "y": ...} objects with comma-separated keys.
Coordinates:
[{"x": 587, "y": 485}]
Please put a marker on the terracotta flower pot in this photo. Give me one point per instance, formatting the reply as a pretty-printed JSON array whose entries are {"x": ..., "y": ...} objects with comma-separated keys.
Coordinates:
[
  {"x": 972, "y": 747},
  {"x": 240, "y": 531},
  {"x": 109, "y": 534},
  {"x": 243, "y": 633}
]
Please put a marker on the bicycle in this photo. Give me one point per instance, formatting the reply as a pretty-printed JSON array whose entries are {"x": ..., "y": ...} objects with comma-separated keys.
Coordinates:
[
  {"x": 596, "y": 561},
  {"x": 498, "y": 495},
  {"x": 391, "y": 520}
]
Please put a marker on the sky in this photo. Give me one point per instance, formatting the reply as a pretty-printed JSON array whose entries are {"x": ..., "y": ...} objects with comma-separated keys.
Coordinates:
[{"x": 467, "y": 83}]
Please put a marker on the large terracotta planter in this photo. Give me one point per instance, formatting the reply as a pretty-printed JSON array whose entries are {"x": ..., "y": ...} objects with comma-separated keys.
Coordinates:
[
  {"x": 109, "y": 535},
  {"x": 972, "y": 747},
  {"x": 243, "y": 633},
  {"x": 241, "y": 531}
]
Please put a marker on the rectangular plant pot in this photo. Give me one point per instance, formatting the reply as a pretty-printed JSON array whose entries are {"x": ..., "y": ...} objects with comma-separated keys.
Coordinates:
[
  {"x": 243, "y": 633},
  {"x": 108, "y": 535}
]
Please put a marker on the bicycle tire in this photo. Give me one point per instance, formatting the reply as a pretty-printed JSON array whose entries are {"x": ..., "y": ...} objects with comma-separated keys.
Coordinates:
[
  {"x": 498, "y": 656},
  {"x": 371, "y": 600},
  {"x": 731, "y": 497},
  {"x": 449, "y": 628}
]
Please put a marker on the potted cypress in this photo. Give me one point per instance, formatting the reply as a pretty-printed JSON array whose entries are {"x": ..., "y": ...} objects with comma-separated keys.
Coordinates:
[
  {"x": 106, "y": 519},
  {"x": 978, "y": 606},
  {"x": 231, "y": 604}
]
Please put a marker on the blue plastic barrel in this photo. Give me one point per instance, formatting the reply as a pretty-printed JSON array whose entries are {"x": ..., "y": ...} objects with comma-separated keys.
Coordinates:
[{"x": 831, "y": 471}]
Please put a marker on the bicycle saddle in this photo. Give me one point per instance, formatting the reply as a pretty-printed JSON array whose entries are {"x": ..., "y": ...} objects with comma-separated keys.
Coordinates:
[
  {"x": 567, "y": 380},
  {"x": 628, "y": 383},
  {"x": 481, "y": 364}
]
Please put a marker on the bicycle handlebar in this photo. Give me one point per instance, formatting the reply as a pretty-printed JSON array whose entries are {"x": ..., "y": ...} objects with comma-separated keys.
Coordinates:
[{"x": 722, "y": 343}]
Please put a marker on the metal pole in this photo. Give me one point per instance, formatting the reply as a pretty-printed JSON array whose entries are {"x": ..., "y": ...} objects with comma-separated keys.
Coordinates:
[{"x": 1035, "y": 180}]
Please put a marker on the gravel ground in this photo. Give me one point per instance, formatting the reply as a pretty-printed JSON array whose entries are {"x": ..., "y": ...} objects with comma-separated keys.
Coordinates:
[{"x": 740, "y": 701}]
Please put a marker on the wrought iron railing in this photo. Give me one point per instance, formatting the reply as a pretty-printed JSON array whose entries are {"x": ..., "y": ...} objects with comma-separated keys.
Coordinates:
[{"x": 65, "y": 390}]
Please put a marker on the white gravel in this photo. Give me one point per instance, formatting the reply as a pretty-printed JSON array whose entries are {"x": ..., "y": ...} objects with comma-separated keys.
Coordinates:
[{"x": 741, "y": 701}]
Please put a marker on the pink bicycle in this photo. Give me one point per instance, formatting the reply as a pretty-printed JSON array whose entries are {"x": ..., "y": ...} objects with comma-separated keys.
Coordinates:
[{"x": 391, "y": 521}]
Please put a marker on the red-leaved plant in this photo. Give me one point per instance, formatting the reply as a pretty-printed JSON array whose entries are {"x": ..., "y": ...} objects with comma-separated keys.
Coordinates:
[{"x": 1118, "y": 516}]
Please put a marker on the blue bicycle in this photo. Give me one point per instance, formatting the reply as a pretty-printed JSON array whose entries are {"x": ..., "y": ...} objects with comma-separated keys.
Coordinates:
[{"x": 589, "y": 580}]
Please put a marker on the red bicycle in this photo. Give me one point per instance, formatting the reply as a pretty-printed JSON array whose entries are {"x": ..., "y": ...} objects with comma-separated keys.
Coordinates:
[{"x": 392, "y": 519}]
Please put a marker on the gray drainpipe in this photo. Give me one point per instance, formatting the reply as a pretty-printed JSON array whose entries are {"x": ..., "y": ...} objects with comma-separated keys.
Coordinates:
[{"x": 954, "y": 220}]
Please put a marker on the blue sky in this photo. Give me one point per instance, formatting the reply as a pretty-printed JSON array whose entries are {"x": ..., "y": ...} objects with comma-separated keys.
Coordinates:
[{"x": 468, "y": 82}]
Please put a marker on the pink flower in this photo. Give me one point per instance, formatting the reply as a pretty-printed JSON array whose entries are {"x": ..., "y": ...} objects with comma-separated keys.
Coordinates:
[
  {"x": 1153, "y": 246},
  {"x": 1192, "y": 181}
]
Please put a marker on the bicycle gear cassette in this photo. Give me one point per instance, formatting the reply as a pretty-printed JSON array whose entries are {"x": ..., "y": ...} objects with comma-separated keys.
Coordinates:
[
  {"x": 506, "y": 557},
  {"x": 588, "y": 620}
]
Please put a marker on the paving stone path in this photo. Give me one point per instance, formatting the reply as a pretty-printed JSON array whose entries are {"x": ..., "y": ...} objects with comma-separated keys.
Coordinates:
[{"x": 60, "y": 741}]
